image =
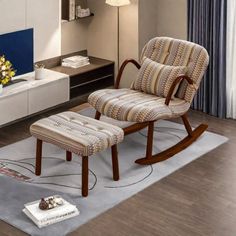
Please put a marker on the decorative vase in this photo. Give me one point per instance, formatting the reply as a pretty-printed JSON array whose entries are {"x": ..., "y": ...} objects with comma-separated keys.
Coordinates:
[
  {"x": 39, "y": 73},
  {"x": 1, "y": 89}
]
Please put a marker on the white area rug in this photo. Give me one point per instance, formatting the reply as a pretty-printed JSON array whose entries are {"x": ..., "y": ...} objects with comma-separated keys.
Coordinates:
[{"x": 57, "y": 174}]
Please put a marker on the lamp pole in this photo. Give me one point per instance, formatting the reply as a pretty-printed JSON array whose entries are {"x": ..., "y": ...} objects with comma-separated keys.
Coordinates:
[
  {"x": 118, "y": 38},
  {"x": 118, "y": 4}
]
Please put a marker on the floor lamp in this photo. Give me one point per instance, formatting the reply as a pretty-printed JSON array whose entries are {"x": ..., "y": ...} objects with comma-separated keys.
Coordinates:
[{"x": 118, "y": 4}]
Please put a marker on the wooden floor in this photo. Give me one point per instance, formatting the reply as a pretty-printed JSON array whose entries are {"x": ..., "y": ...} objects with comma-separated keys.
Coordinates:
[{"x": 199, "y": 199}]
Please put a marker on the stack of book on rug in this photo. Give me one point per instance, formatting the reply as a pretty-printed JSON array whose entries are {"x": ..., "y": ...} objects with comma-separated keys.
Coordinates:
[
  {"x": 50, "y": 210},
  {"x": 75, "y": 61}
]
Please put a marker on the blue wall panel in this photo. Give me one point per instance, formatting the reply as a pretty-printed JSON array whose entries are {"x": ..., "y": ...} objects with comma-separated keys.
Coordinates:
[{"x": 18, "y": 47}]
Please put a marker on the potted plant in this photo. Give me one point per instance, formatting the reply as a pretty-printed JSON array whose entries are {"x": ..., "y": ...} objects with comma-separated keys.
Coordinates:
[{"x": 6, "y": 72}]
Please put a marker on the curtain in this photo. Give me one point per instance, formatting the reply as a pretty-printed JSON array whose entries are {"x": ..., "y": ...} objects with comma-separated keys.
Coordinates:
[
  {"x": 231, "y": 59},
  {"x": 207, "y": 26}
]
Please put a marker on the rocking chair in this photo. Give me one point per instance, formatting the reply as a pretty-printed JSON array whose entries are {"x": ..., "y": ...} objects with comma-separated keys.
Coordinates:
[{"x": 169, "y": 75}]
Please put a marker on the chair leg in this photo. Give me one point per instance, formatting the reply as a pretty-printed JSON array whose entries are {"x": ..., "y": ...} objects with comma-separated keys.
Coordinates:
[
  {"x": 150, "y": 140},
  {"x": 38, "y": 164},
  {"x": 187, "y": 125},
  {"x": 115, "y": 163},
  {"x": 68, "y": 156},
  {"x": 98, "y": 115},
  {"x": 85, "y": 174}
]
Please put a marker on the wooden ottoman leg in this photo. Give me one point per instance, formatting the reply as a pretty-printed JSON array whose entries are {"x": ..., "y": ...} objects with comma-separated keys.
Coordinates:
[
  {"x": 68, "y": 156},
  {"x": 115, "y": 164},
  {"x": 85, "y": 174},
  {"x": 38, "y": 157}
]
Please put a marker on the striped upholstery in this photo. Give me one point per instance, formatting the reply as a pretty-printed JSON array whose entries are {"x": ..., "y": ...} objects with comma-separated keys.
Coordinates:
[
  {"x": 76, "y": 133},
  {"x": 176, "y": 52},
  {"x": 135, "y": 106},
  {"x": 155, "y": 78}
]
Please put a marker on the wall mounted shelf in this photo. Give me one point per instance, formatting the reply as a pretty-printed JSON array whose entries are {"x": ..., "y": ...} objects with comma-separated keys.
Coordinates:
[
  {"x": 91, "y": 15},
  {"x": 68, "y": 11},
  {"x": 77, "y": 19}
]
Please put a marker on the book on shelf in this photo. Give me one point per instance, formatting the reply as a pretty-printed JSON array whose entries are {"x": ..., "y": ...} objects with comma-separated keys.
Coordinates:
[
  {"x": 68, "y": 10},
  {"x": 75, "y": 61},
  {"x": 71, "y": 10},
  {"x": 74, "y": 65},
  {"x": 44, "y": 218}
]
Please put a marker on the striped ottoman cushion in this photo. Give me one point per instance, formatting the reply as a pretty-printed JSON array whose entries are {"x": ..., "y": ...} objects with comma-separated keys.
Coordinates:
[
  {"x": 135, "y": 106},
  {"x": 76, "y": 133}
]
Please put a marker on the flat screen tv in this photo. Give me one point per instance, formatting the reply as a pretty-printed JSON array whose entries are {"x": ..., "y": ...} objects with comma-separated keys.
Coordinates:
[{"x": 18, "y": 47}]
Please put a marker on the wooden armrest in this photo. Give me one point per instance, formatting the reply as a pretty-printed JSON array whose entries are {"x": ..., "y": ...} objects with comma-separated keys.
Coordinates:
[
  {"x": 121, "y": 70},
  {"x": 173, "y": 86}
]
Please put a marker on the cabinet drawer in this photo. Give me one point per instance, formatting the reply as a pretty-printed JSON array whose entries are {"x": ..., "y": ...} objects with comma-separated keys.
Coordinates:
[
  {"x": 91, "y": 86},
  {"x": 52, "y": 94},
  {"x": 94, "y": 75},
  {"x": 13, "y": 107}
]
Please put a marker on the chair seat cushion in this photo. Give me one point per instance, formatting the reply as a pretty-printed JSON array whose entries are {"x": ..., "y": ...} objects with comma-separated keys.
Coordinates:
[
  {"x": 134, "y": 106},
  {"x": 76, "y": 133}
]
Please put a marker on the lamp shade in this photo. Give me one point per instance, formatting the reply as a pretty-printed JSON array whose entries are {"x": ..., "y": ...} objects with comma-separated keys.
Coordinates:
[{"x": 118, "y": 3}]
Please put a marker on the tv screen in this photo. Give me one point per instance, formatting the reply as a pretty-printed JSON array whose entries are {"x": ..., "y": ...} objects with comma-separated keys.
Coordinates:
[{"x": 18, "y": 47}]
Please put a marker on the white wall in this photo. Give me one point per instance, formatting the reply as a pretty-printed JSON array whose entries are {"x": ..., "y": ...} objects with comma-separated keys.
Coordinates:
[
  {"x": 12, "y": 15},
  {"x": 74, "y": 35},
  {"x": 129, "y": 40},
  {"x": 172, "y": 18},
  {"x": 102, "y": 33},
  {"x": 148, "y": 23},
  {"x": 42, "y": 15}
]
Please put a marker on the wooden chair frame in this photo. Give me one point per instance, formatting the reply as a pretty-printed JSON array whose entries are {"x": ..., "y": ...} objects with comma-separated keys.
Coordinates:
[{"x": 164, "y": 155}]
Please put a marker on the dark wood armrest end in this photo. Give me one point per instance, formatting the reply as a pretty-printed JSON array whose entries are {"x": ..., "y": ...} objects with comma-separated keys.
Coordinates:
[
  {"x": 121, "y": 70},
  {"x": 173, "y": 86}
]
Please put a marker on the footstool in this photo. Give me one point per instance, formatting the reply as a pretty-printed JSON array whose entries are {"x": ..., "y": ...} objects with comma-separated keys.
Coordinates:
[{"x": 77, "y": 134}]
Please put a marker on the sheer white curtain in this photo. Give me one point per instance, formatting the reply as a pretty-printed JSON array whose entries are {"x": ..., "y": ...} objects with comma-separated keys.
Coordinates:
[{"x": 231, "y": 59}]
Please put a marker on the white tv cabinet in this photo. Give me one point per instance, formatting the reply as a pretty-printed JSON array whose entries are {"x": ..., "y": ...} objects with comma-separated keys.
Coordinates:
[{"x": 31, "y": 96}]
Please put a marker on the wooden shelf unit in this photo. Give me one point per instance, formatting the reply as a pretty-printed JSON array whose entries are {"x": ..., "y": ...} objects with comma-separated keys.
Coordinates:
[
  {"x": 66, "y": 10},
  {"x": 99, "y": 74}
]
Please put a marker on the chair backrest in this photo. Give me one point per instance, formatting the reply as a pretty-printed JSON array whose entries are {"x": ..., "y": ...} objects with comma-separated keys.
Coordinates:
[{"x": 177, "y": 52}]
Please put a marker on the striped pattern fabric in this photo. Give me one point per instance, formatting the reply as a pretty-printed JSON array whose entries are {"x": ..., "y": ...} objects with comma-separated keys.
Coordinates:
[
  {"x": 174, "y": 52},
  {"x": 76, "y": 133},
  {"x": 135, "y": 106},
  {"x": 155, "y": 78}
]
